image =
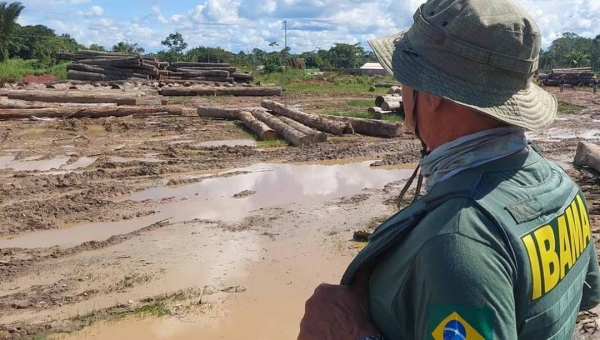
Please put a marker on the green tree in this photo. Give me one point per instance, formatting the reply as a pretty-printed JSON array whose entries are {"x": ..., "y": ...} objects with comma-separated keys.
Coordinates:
[
  {"x": 96, "y": 47},
  {"x": 176, "y": 45},
  {"x": 9, "y": 13},
  {"x": 127, "y": 47},
  {"x": 578, "y": 59}
]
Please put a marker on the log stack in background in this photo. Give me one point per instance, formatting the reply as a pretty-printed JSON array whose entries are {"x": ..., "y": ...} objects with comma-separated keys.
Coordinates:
[
  {"x": 217, "y": 72},
  {"x": 572, "y": 76},
  {"x": 388, "y": 104},
  {"x": 109, "y": 66}
]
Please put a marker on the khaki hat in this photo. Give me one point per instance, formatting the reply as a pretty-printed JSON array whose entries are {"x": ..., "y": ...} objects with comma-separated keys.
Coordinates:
[{"x": 478, "y": 53}]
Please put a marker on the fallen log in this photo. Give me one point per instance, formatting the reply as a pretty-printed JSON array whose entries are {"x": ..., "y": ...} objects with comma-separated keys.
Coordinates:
[
  {"x": 395, "y": 89},
  {"x": 190, "y": 64},
  {"x": 290, "y": 134},
  {"x": 390, "y": 97},
  {"x": 90, "y": 76},
  {"x": 76, "y": 97},
  {"x": 377, "y": 112},
  {"x": 259, "y": 91},
  {"x": 372, "y": 127},
  {"x": 218, "y": 112},
  {"x": 121, "y": 62},
  {"x": 195, "y": 82},
  {"x": 89, "y": 112},
  {"x": 311, "y": 120},
  {"x": 588, "y": 154},
  {"x": 196, "y": 69},
  {"x": 317, "y": 136},
  {"x": 21, "y": 104},
  {"x": 389, "y": 85},
  {"x": 190, "y": 74},
  {"x": 242, "y": 76},
  {"x": 394, "y": 105},
  {"x": 261, "y": 129}
]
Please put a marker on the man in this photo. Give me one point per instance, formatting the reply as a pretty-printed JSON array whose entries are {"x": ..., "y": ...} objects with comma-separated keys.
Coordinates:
[{"x": 500, "y": 247}]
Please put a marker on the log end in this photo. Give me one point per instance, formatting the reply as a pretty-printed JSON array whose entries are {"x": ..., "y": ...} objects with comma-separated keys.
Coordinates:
[
  {"x": 320, "y": 137},
  {"x": 269, "y": 136},
  {"x": 348, "y": 129},
  {"x": 585, "y": 150}
]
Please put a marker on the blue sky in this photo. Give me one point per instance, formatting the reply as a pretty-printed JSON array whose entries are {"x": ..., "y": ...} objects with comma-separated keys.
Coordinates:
[{"x": 245, "y": 24}]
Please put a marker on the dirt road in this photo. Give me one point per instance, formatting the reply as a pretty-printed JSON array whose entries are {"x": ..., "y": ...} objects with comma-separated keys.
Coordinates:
[{"x": 166, "y": 228}]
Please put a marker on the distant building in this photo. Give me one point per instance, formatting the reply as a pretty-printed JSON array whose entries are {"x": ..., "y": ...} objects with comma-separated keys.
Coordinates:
[{"x": 373, "y": 69}]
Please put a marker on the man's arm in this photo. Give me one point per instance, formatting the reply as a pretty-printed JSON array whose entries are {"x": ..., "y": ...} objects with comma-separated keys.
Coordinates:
[{"x": 465, "y": 287}]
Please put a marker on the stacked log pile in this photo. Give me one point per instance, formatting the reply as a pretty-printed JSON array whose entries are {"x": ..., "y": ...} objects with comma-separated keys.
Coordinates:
[
  {"x": 238, "y": 91},
  {"x": 298, "y": 127},
  {"x": 571, "y": 76},
  {"x": 109, "y": 66},
  {"x": 388, "y": 104},
  {"x": 216, "y": 72}
]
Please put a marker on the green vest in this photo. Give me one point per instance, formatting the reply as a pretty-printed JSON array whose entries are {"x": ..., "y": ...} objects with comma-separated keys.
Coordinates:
[{"x": 502, "y": 251}]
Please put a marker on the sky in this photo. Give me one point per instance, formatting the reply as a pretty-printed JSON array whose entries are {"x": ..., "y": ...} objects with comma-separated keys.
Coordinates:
[{"x": 242, "y": 25}]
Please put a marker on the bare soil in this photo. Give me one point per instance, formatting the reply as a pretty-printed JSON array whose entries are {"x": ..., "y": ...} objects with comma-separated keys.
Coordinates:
[{"x": 235, "y": 266}]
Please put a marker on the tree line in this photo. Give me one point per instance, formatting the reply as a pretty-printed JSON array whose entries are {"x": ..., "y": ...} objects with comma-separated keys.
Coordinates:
[{"x": 41, "y": 43}]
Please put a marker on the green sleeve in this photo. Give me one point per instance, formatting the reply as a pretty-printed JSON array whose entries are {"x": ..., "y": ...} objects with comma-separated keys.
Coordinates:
[
  {"x": 591, "y": 288},
  {"x": 463, "y": 286}
]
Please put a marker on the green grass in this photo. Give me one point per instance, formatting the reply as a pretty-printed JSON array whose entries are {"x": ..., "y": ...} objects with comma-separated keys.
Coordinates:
[
  {"x": 14, "y": 70},
  {"x": 568, "y": 109},
  {"x": 358, "y": 108}
]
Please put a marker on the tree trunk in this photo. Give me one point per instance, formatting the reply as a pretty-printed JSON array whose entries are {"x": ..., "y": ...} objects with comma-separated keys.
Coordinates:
[
  {"x": 290, "y": 134},
  {"x": 317, "y": 136},
  {"x": 588, "y": 154},
  {"x": 261, "y": 129},
  {"x": 377, "y": 112},
  {"x": 76, "y": 97},
  {"x": 311, "y": 120},
  {"x": 89, "y": 76},
  {"x": 389, "y": 85},
  {"x": 88, "y": 112},
  {"x": 242, "y": 76},
  {"x": 190, "y": 74},
  {"x": 21, "y": 104},
  {"x": 218, "y": 112},
  {"x": 390, "y": 97},
  {"x": 391, "y": 105},
  {"x": 372, "y": 127},
  {"x": 195, "y": 82},
  {"x": 188, "y": 64},
  {"x": 196, "y": 69},
  {"x": 121, "y": 62},
  {"x": 258, "y": 91}
]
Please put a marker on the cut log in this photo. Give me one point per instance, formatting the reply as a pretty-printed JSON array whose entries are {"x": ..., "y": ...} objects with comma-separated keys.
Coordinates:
[
  {"x": 389, "y": 85},
  {"x": 89, "y": 112},
  {"x": 196, "y": 69},
  {"x": 218, "y": 112},
  {"x": 377, "y": 112},
  {"x": 317, "y": 136},
  {"x": 290, "y": 134},
  {"x": 122, "y": 62},
  {"x": 392, "y": 105},
  {"x": 588, "y": 154},
  {"x": 195, "y": 82},
  {"x": 22, "y": 104},
  {"x": 190, "y": 74},
  {"x": 89, "y": 76},
  {"x": 189, "y": 64},
  {"x": 382, "y": 99},
  {"x": 242, "y": 76},
  {"x": 76, "y": 97},
  {"x": 258, "y": 91},
  {"x": 395, "y": 89},
  {"x": 372, "y": 127},
  {"x": 311, "y": 120},
  {"x": 261, "y": 129}
]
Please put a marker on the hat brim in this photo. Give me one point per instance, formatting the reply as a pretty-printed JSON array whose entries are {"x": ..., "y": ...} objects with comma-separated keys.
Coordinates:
[{"x": 532, "y": 108}]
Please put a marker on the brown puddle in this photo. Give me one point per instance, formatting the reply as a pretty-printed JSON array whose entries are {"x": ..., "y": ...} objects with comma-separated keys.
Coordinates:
[
  {"x": 32, "y": 163},
  {"x": 212, "y": 198},
  {"x": 82, "y": 162},
  {"x": 233, "y": 142}
]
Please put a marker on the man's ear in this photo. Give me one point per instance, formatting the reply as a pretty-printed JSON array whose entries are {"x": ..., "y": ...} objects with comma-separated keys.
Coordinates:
[{"x": 431, "y": 103}]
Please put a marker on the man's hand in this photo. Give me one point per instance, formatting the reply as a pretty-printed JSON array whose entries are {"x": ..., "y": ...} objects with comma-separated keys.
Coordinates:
[{"x": 337, "y": 313}]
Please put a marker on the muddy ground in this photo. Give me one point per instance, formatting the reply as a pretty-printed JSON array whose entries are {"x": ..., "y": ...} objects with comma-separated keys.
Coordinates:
[{"x": 170, "y": 227}]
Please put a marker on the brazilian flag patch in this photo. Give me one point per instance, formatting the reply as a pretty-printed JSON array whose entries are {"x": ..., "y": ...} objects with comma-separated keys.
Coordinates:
[{"x": 448, "y": 322}]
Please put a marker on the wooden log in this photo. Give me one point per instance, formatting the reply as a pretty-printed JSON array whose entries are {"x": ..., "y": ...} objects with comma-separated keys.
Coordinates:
[
  {"x": 372, "y": 127},
  {"x": 195, "y": 74},
  {"x": 395, "y": 89},
  {"x": 189, "y": 64},
  {"x": 377, "y": 112},
  {"x": 242, "y": 76},
  {"x": 196, "y": 69},
  {"x": 257, "y": 91},
  {"x": 290, "y": 134},
  {"x": 311, "y": 120},
  {"x": 218, "y": 112},
  {"x": 388, "y": 85},
  {"x": 121, "y": 62},
  {"x": 89, "y": 112},
  {"x": 92, "y": 76},
  {"x": 22, "y": 104},
  {"x": 194, "y": 82},
  {"x": 382, "y": 99},
  {"x": 588, "y": 154},
  {"x": 76, "y": 97},
  {"x": 261, "y": 129},
  {"x": 391, "y": 105},
  {"x": 317, "y": 136}
]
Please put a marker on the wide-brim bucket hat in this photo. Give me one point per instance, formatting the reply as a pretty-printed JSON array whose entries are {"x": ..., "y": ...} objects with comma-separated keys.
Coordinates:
[{"x": 481, "y": 54}]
